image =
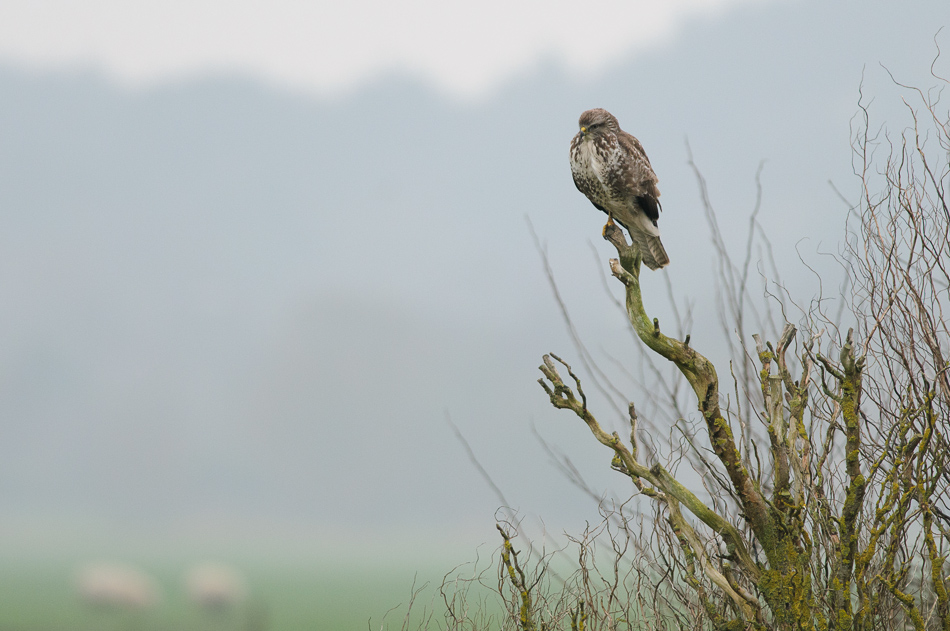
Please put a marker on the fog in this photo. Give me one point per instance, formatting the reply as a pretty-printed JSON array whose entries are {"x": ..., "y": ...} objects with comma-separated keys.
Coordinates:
[{"x": 226, "y": 303}]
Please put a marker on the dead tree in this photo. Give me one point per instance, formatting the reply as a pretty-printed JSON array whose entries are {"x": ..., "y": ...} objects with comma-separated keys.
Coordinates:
[{"x": 833, "y": 511}]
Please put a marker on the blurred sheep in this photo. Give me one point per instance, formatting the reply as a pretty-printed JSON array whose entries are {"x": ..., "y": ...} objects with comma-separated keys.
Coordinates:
[
  {"x": 216, "y": 587},
  {"x": 117, "y": 587}
]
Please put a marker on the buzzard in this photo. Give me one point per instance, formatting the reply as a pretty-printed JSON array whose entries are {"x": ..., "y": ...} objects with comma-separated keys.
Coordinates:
[{"x": 610, "y": 167}]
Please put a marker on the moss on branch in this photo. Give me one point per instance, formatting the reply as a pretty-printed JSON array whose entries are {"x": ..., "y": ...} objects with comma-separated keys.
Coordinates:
[
  {"x": 702, "y": 377},
  {"x": 562, "y": 396}
]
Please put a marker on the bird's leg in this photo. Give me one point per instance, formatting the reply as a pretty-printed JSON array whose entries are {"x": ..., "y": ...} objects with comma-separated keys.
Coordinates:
[
  {"x": 610, "y": 224},
  {"x": 615, "y": 235}
]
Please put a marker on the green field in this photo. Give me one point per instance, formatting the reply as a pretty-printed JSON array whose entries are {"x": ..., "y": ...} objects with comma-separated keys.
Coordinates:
[{"x": 40, "y": 595}]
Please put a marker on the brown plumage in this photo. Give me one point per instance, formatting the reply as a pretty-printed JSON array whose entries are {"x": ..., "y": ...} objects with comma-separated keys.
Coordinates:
[{"x": 610, "y": 167}]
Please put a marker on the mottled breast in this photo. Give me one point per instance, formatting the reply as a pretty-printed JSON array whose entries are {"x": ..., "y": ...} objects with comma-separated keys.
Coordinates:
[{"x": 595, "y": 161}]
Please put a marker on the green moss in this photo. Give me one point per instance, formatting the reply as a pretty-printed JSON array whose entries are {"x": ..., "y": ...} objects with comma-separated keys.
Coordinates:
[{"x": 787, "y": 589}]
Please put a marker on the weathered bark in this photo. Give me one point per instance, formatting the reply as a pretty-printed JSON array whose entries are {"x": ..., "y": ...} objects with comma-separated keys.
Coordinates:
[{"x": 785, "y": 583}]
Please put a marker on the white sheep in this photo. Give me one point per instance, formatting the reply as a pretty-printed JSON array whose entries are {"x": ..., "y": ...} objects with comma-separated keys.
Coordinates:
[
  {"x": 214, "y": 586},
  {"x": 116, "y": 586}
]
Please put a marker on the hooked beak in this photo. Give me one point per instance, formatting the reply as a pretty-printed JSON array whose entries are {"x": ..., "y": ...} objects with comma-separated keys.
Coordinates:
[{"x": 583, "y": 131}]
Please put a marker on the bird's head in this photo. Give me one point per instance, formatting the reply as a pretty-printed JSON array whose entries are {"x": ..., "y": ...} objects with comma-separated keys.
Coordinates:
[{"x": 597, "y": 121}]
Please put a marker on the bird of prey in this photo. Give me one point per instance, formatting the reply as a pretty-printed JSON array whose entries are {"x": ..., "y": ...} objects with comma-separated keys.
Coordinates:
[{"x": 610, "y": 167}]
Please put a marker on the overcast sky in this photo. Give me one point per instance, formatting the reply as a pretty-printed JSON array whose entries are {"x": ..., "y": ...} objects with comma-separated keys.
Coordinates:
[{"x": 324, "y": 47}]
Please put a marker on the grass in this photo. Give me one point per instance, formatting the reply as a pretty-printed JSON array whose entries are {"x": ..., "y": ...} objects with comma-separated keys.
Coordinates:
[{"x": 39, "y": 595}]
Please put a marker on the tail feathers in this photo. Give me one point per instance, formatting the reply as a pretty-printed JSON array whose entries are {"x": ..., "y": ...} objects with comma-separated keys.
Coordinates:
[{"x": 652, "y": 250}]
